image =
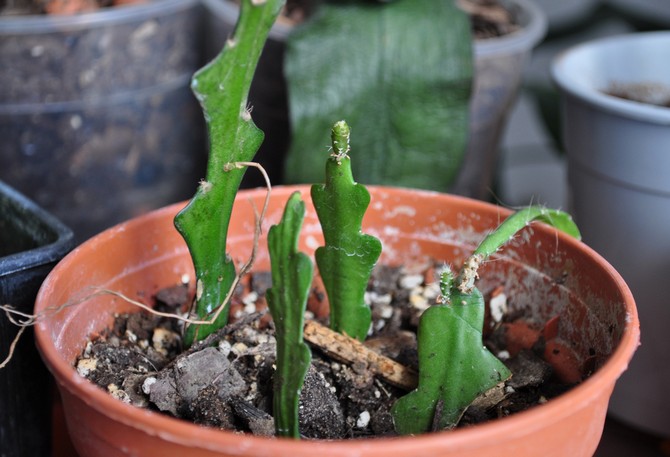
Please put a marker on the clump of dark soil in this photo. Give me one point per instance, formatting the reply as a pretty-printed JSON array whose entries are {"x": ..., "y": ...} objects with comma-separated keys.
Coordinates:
[{"x": 226, "y": 380}]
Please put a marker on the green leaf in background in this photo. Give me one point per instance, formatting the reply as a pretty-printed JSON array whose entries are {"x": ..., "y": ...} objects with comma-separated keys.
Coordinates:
[
  {"x": 346, "y": 261},
  {"x": 287, "y": 298},
  {"x": 222, "y": 87},
  {"x": 399, "y": 72}
]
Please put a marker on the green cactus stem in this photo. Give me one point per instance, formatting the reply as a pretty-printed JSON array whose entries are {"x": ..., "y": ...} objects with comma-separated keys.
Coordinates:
[
  {"x": 505, "y": 232},
  {"x": 454, "y": 366},
  {"x": 346, "y": 261},
  {"x": 222, "y": 88},
  {"x": 287, "y": 298}
]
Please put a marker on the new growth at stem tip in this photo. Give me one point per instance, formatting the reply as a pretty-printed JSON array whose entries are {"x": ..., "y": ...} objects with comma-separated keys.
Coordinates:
[{"x": 340, "y": 138}]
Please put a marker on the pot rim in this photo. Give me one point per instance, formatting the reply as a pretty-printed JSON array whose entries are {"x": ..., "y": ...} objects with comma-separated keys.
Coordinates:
[
  {"x": 573, "y": 85},
  {"x": 45, "y": 23},
  {"x": 59, "y": 242},
  {"x": 189, "y": 434},
  {"x": 533, "y": 29}
]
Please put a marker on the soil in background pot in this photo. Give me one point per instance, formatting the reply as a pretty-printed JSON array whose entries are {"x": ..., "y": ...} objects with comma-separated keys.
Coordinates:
[{"x": 650, "y": 93}]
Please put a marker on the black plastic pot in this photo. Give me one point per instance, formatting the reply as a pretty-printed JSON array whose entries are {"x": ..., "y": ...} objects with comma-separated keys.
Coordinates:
[{"x": 31, "y": 242}]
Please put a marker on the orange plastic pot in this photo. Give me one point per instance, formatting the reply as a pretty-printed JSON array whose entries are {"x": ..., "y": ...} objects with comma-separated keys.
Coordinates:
[{"x": 552, "y": 277}]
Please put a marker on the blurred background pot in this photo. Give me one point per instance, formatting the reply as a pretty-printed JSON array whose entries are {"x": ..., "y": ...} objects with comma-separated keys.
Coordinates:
[
  {"x": 97, "y": 121},
  {"x": 499, "y": 64},
  {"x": 597, "y": 321},
  {"x": 31, "y": 242},
  {"x": 498, "y": 71},
  {"x": 619, "y": 192}
]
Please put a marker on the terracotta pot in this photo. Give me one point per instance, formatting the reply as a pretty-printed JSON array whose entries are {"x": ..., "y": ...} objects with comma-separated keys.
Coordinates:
[{"x": 596, "y": 319}]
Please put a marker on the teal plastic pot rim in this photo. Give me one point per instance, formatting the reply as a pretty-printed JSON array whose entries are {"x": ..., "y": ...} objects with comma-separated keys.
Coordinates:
[
  {"x": 573, "y": 70},
  {"x": 532, "y": 19},
  {"x": 34, "y": 24}
]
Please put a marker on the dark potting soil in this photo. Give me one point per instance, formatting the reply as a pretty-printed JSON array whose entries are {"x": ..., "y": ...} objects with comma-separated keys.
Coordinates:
[
  {"x": 650, "y": 93},
  {"x": 489, "y": 18},
  {"x": 226, "y": 381}
]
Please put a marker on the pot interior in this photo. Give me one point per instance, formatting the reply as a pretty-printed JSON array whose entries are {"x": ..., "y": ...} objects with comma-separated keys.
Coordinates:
[{"x": 547, "y": 275}]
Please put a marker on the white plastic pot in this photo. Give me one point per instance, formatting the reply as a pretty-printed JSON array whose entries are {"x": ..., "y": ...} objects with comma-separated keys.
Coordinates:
[{"x": 619, "y": 182}]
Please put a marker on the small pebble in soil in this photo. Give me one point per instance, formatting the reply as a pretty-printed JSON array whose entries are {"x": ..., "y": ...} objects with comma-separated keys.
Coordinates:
[{"x": 363, "y": 419}]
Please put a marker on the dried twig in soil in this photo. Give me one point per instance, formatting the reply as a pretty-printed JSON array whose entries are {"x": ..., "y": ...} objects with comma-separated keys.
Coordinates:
[{"x": 349, "y": 350}]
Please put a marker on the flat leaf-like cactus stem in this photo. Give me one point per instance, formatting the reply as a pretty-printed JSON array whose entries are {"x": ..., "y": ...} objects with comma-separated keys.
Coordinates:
[
  {"x": 558, "y": 219},
  {"x": 222, "y": 87},
  {"x": 454, "y": 366},
  {"x": 287, "y": 298},
  {"x": 346, "y": 261}
]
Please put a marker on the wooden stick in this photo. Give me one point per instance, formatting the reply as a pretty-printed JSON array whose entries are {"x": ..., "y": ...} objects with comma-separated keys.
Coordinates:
[{"x": 349, "y": 350}]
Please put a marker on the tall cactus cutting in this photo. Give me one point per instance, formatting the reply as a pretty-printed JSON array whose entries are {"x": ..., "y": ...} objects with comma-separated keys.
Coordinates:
[
  {"x": 287, "y": 298},
  {"x": 347, "y": 259},
  {"x": 454, "y": 366},
  {"x": 222, "y": 87}
]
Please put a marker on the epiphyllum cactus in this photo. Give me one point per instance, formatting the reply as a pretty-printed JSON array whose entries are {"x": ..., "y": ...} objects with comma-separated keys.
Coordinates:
[
  {"x": 222, "y": 87},
  {"x": 347, "y": 259},
  {"x": 345, "y": 263},
  {"x": 454, "y": 366},
  {"x": 287, "y": 298}
]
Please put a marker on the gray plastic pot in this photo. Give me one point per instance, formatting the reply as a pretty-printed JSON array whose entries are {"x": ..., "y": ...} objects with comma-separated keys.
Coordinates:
[
  {"x": 97, "y": 120},
  {"x": 619, "y": 185},
  {"x": 31, "y": 242},
  {"x": 498, "y": 70}
]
